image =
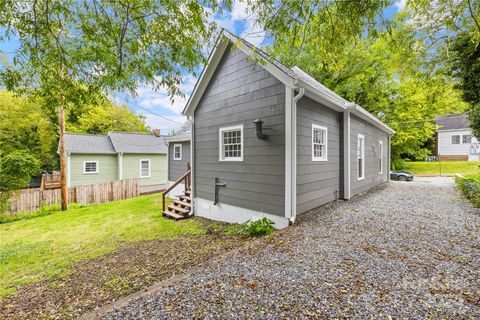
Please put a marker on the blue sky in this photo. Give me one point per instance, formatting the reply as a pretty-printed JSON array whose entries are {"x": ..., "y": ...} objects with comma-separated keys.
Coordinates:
[{"x": 238, "y": 22}]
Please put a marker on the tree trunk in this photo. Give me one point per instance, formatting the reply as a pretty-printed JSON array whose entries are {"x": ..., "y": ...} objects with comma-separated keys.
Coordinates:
[{"x": 63, "y": 159}]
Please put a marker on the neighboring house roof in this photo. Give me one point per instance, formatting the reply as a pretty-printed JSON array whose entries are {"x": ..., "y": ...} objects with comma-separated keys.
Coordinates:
[
  {"x": 294, "y": 78},
  {"x": 137, "y": 142},
  {"x": 88, "y": 143},
  {"x": 182, "y": 136},
  {"x": 452, "y": 121},
  {"x": 115, "y": 142}
]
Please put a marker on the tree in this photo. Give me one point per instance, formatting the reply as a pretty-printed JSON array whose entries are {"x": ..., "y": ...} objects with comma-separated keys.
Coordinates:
[
  {"x": 106, "y": 117},
  {"x": 387, "y": 73},
  {"x": 24, "y": 125},
  {"x": 16, "y": 170},
  {"x": 73, "y": 51},
  {"x": 466, "y": 66}
]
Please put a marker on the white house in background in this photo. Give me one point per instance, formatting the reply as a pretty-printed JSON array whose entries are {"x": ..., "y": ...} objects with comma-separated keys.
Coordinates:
[{"x": 455, "y": 140}]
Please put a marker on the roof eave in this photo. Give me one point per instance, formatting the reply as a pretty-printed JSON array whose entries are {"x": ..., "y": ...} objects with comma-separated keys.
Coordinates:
[{"x": 222, "y": 43}]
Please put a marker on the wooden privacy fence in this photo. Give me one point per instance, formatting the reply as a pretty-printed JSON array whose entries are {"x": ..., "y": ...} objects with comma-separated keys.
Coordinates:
[{"x": 29, "y": 200}]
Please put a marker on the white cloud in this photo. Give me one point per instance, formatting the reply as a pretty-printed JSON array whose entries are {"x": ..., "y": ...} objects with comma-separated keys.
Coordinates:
[{"x": 159, "y": 99}]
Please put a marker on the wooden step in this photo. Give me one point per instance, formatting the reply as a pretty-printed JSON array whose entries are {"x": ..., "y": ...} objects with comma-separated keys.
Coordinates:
[
  {"x": 173, "y": 215},
  {"x": 183, "y": 203},
  {"x": 172, "y": 207},
  {"x": 187, "y": 192},
  {"x": 185, "y": 198}
]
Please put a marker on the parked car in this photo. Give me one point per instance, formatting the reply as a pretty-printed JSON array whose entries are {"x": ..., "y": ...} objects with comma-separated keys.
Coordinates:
[{"x": 401, "y": 176}]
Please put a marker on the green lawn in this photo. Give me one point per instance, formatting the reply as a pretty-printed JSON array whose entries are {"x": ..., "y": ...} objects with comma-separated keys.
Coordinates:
[
  {"x": 31, "y": 250},
  {"x": 442, "y": 167}
]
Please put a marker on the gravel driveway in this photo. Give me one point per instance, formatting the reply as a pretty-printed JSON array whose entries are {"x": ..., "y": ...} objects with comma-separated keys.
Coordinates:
[{"x": 408, "y": 250}]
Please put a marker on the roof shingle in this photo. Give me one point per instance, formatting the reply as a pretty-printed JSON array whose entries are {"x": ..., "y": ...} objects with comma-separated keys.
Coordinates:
[{"x": 453, "y": 121}]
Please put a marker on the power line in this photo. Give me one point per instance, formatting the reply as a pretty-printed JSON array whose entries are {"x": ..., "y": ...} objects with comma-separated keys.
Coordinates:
[
  {"x": 426, "y": 120},
  {"x": 145, "y": 109}
]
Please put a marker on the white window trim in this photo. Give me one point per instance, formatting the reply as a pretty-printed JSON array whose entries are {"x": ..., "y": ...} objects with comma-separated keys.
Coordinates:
[
  {"x": 90, "y": 172},
  {"x": 174, "y": 146},
  {"x": 149, "y": 169},
  {"x": 380, "y": 143},
  {"x": 456, "y": 135},
  {"x": 220, "y": 143},
  {"x": 363, "y": 156},
  {"x": 325, "y": 157}
]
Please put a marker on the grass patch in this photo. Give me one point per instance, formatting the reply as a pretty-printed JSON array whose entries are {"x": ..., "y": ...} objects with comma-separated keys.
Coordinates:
[
  {"x": 442, "y": 167},
  {"x": 470, "y": 187},
  {"x": 50, "y": 243},
  {"x": 43, "y": 211}
]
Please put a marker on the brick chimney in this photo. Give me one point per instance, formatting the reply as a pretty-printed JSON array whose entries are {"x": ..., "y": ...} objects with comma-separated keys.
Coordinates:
[{"x": 156, "y": 132}]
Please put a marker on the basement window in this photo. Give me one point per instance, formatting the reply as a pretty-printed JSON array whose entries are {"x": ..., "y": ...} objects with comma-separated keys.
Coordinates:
[
  {"x": 90, "y": 167},
  {"x": 231, "y": 143},
  {"x": 145, "y": 168},
  {"x": 361, "y": 156},
  {"x": 177, "y": 152},
  {"x": 319, "y": 143}
]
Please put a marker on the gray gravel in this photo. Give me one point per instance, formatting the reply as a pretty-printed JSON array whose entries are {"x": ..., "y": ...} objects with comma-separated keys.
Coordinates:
[{"x": 409, "y": 250}]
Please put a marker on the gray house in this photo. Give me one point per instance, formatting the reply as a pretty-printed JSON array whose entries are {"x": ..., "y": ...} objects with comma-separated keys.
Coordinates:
[
  {"x": 268, "y": 140},
  {"x": 178, "y": 158}
]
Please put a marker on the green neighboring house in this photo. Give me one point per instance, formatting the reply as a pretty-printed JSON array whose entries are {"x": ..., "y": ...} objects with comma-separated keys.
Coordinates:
[{"x": 119, "y": 155}]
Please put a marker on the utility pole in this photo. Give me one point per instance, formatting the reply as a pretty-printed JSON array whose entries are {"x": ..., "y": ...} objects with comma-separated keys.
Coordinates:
[{"x": 63, "y": 159}]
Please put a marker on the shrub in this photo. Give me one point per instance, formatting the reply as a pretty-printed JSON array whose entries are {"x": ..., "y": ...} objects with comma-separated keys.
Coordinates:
[
  {"x": 398, "y": 164},
  {"x": 470, "y": 187},
  {"x": 257, "y": 228}
]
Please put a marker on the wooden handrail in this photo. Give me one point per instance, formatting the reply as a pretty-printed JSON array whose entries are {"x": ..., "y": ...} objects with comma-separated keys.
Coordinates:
[{"x": 185, "y": 177}]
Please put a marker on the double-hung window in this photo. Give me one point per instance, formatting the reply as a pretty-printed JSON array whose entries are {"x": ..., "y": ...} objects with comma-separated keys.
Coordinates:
[
  {"x": 319, "y": 143},
  {"x": 145, "y": 168},
  {"x": 177, "y": 152},
  {"x": 231, "y": 143},
  {"x": 90, "y": 167},
  {"x": 380, "y": 157},
  {"x": 361, "y": 156},
  {"x": 456, "y": 139}
]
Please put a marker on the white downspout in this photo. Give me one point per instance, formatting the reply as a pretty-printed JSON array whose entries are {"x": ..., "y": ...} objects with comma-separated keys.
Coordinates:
[
  {"x": 293, "y": 162},
  {"x": 346, "y": 154}
]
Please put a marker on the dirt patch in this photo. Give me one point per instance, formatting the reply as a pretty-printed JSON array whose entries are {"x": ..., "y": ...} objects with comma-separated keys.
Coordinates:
[{"x": 93, "y": 283}]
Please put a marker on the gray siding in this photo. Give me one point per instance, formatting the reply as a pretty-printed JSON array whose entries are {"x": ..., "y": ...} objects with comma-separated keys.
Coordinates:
[
  {"x": 239, "y": 92},
  {"x": 176, "y": 168},
  {"x": 372, "y": 138},
  {"x": 318, "y": 182}
]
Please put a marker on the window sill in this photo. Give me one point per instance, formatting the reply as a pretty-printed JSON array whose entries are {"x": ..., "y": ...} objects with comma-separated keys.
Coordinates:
[
  {"x": 360, "y": 179},
  {"x": 90, "y": 173},
  {"x": 231, "y": 160},
  {"x": 145, "y": 177},
  {"x": 319, "y": 160}
]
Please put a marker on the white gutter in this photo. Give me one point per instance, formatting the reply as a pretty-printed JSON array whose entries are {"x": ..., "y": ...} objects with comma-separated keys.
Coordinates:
[{"x": 293, "y": 161}]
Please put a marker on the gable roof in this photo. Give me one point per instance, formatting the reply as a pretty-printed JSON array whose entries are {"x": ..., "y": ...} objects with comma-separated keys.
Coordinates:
[
  {"x": 115, "y": 142},
  {"x": 453, "y": 121},
  {"x": 182, "y": 136},
  {"x": 137, "y": 142},
  {"x": 294, "y": 78},
  {"x": 88, "y": 143}
]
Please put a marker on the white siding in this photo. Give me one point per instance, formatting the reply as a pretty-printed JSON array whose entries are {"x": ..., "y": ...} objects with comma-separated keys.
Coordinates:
[{"x": 445, "y": 146}]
